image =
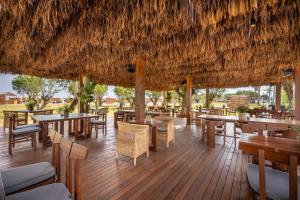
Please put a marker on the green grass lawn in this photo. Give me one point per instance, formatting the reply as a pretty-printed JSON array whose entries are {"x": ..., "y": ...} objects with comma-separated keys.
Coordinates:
[{"x": 111, "y": 109}]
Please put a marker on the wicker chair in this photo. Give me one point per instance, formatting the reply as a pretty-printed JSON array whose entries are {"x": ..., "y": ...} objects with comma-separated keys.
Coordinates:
[
  {"x": 166, "y": 128},
  {"x": 132, "y": 140}
]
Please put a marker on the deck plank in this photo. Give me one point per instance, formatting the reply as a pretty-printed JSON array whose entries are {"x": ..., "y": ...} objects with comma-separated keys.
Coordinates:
[{"x": 186, "y": 170}]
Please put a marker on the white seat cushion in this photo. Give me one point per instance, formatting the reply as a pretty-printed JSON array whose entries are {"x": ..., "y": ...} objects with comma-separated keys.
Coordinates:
[
  {"x": 15, "y": 179},
  {"x": 26, "y": 130},
  {"x": 277, "y": 182},
  {"x": 55, "y": 191},
  {"x": 162, "y": 129},
  {"x": 27, "y": 125},
  {"x": 97, "y": 121}
]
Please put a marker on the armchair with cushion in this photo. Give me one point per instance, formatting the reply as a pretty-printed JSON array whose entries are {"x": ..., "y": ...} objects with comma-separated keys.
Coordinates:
[
  {"x": 166, "y": 127},
  {"x": 132, "y": 140}
]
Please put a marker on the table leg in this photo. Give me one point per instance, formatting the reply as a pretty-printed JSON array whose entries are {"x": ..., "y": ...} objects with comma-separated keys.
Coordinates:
[
  {"x": 293, "y": 177},
  {"x": 76, "y": 131},
  {"x": 62, "y": 127},
  {"x": 45, "y": 136},
  {"x": 70, "y": 131},
  {"x": 210, "y": 133},
  {"x": 262, "y": 176},
  {"x": 153, "y": 132},
  {"x": 115, "y": 120},
  {"x": 41, "y": 132},
  {"x": 56, "y": 126}
]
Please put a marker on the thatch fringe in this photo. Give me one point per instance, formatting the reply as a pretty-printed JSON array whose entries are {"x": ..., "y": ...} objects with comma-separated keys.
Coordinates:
[{"x": 212, "y": 41}]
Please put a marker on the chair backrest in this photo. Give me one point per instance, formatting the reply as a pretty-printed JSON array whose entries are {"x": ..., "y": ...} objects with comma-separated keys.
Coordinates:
[
  {"x": 277, "y": 127},
  {"x": 259, "y": 126},
  {"x": 12, "y": 124},
  {"x": 128, "y": 116},
  {"x": 103, "y": 111},
  {"x": 74, "y": 153},
  {"x": 129, "y": 128},
  {"x": 247, "y": 128},
  {"x": 56, "y": 138},
  {"x": 6, "y": 120}
]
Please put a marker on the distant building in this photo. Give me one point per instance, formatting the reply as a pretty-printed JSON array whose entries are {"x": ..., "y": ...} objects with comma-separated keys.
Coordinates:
[
  {"x": 8, "y": 98},
  {"x": 110, "y": 100}
]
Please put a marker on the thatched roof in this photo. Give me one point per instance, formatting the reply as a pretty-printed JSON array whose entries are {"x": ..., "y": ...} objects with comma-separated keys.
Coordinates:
[{"x": 212, "y": 41}]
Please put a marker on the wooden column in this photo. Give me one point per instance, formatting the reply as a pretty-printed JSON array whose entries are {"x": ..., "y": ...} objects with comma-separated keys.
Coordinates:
[
  {"x": 81, "y": 82},
  {"x": 297, "y": 93},
  {"x": 207, "y": 98},
  {"x": 278, "y": 97},
  {"x": 139, "y": 91},
  {"x": 80, "y": 85},
  {"x": 188, "y": 99}
]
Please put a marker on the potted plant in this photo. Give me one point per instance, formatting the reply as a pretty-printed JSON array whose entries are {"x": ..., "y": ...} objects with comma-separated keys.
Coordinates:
[
  {"x": 30, "y": 105},
  {"x": 64, "y": 110},
  {"x": 243, "y": 113},
  {"x": 297, "y": 130}
]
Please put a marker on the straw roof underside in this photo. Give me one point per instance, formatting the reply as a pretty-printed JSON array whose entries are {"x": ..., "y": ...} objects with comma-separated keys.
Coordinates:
[{"x": 211, "y": 41}]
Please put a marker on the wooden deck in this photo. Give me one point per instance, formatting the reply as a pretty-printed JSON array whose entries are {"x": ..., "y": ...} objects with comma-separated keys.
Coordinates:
[{"x": 187, "y": 170}]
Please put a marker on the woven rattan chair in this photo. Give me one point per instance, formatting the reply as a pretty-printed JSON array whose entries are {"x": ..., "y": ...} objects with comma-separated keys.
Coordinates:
[
  {"x": 166, "y": 127},
  {"x": 132, "y": 140}
]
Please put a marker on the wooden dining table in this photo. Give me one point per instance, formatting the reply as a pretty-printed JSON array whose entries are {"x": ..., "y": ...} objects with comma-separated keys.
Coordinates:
[
  {"x": 212, "y": 118},
  {"x": 283, "y": 150},
  {"x": 78, "y": 120}
]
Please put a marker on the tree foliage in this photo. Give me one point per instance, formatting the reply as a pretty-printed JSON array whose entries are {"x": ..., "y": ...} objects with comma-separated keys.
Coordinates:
[
  {"x": 87, "y": 95},
  {"x": 125, "y": 94},
  {"x": 50, "y": 88},
  {"x": 153, "y": 96},
  {"x": 30, "y": 86},
  {"x": 36, "y": 87},
  {"x": 99, "y": 93},
  {"x": 215, "y": 93}
]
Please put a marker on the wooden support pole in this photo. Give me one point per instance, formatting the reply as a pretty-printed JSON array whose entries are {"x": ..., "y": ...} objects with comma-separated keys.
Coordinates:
[
  {"x": 80, "y": 85},
  {"x": 139, "y": 91},
  {"x": 81, "y": 82},
  {"x": 188, "y": 99},
  {"x": 297, "y": 93},
  {"x": 278, "y": 97},
  {"x": 207, "y": 98}
]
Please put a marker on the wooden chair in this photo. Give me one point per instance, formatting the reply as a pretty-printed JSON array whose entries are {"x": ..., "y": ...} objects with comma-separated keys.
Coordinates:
[
  {"x": 27, "y": 177},
  {"x": 20, "y": 119},
  {"x": 128, "y": 116},
  {"x": 18, "y": 135},
  {"x": 74, "y": 153},
  {"x": 132, "y": 140},
  {"x": 250, "y": 127},
  {"x": 278, "y": 130},
  {"x": 166, "y": 128},
  {"x": 99, "y": 123}
]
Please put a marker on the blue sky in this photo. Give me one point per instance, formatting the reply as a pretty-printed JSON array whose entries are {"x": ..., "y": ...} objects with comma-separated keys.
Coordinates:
[{"x": 5, "y": 86}]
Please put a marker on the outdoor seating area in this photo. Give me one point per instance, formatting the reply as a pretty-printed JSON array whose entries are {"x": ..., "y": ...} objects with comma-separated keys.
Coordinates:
[{"x": 178, "y": 99}]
